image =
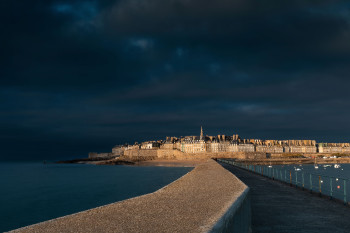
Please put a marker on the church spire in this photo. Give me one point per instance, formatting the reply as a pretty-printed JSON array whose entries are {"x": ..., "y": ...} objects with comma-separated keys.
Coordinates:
[{"x": 201, "y": 137}]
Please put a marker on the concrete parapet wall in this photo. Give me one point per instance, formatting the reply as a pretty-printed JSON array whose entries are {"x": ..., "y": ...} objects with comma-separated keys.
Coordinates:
[
  {"x": 207, "y": 199},
  {"x": 237, "y": 218}
]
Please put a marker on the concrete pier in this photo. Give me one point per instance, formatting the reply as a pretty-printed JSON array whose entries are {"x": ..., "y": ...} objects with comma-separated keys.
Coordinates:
[
  {"x": 205, "y": 200},
  {"x": 278, "y": 207}
]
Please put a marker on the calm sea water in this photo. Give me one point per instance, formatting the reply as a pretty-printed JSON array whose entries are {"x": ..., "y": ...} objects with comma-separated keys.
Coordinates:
[
  {"x": 34, "y": 192},
  {"x": 331, "y": 180},
  {"x": 343, "y": 171}
]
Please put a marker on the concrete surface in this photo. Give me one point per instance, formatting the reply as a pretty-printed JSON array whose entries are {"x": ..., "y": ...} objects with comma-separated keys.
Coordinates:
[
  {"x": 277, "y": 207},
  {"x": 193, "y": 203}
]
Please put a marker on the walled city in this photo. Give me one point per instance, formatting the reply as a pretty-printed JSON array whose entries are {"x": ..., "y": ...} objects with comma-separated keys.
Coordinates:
[{"x": 200, "y": 145}]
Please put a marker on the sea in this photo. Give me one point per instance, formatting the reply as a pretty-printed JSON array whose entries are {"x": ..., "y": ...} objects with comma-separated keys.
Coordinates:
[
  {"x": 34, "y": 192},
  {"x": 331, "y": 180}
]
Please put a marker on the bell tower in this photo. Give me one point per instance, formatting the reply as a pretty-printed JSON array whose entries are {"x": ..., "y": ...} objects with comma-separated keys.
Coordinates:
[{"x": 201, "y": 137}]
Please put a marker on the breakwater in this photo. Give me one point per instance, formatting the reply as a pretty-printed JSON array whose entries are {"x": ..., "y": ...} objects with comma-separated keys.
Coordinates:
[{"x": 208, "y": 199}]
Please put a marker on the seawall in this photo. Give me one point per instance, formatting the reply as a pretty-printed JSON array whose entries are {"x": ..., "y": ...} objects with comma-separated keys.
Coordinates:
[
  {"x": 207, "y": 199},
  {"x": 153, "y": 154}
]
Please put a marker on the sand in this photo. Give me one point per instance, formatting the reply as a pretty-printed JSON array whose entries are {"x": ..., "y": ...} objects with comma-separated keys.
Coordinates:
[{"x": 171, "y": 163}]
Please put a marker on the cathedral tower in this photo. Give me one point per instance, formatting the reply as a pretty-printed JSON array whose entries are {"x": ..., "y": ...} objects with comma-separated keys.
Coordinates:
[{"x": 201, "y": 137}]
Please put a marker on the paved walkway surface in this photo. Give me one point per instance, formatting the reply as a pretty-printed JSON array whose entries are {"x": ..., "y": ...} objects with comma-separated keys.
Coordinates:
[{"x": 277, "y": 207}]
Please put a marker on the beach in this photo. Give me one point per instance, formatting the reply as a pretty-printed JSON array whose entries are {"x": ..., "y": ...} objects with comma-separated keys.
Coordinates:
[{"x": 170, "y": 163}]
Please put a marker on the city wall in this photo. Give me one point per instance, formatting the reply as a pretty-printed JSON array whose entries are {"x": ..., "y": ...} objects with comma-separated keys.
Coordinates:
[
  {"x": 202, "y": 150},
  {"x": 137, "y": 154},
  {"x": 151, "y": 154},
  {"x": 94, "y": 155},
  {"x": 182, "y": 206}
]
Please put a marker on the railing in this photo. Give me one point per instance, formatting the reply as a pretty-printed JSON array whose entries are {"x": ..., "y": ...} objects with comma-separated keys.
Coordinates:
[{"x": 331, "y": 186}]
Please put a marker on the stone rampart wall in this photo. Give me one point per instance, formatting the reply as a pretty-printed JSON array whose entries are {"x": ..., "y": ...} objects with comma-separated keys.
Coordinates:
[
  {"x": 245, "y": 151},
  {"x": 93, "y": 155},
  {"x": 334, "y": 149},
  {"x": 141, "y": 152},
  {"x": 178, "y": 155},
  {"x": 118, "y": 150}
]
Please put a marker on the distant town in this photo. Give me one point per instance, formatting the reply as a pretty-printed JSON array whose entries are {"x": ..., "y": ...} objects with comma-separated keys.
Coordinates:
[{"x": 201, "y": 145}]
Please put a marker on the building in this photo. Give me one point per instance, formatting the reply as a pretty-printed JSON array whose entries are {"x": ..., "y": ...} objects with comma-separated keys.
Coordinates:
[{"x": 224, "y": 143}]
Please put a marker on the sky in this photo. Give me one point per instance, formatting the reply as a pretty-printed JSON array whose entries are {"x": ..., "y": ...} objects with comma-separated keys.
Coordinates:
[{"x": 84, "y": 75}]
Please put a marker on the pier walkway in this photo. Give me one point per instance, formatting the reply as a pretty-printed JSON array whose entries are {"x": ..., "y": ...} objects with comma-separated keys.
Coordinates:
[
  {"x": 280, "y": 208},
  {"x": 204, "y": 200}
]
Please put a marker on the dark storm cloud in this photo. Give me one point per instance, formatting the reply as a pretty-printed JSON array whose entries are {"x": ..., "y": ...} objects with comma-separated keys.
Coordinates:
[{"x": 88, "y": 74}]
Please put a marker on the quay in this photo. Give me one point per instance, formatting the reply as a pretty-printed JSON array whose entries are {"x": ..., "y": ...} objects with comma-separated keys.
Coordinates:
[
  {"x": 278, "y": 207},
  {"x": 293, "y": 161},
  {"x": 207, "y": 199}
]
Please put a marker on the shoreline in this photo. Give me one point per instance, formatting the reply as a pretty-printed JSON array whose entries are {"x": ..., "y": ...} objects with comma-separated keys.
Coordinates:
[
  {"x": 154, "y": 162},
  {"x": 170, "y": 163},
  {"x": 193, "y": 162}
]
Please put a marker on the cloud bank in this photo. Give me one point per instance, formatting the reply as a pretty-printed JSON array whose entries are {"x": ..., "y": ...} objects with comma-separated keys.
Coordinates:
[{"x": 91, "y": 74}]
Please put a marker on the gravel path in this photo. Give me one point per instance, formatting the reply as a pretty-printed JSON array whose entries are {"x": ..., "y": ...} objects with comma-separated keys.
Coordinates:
[{"x": 193, "y": 203}]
